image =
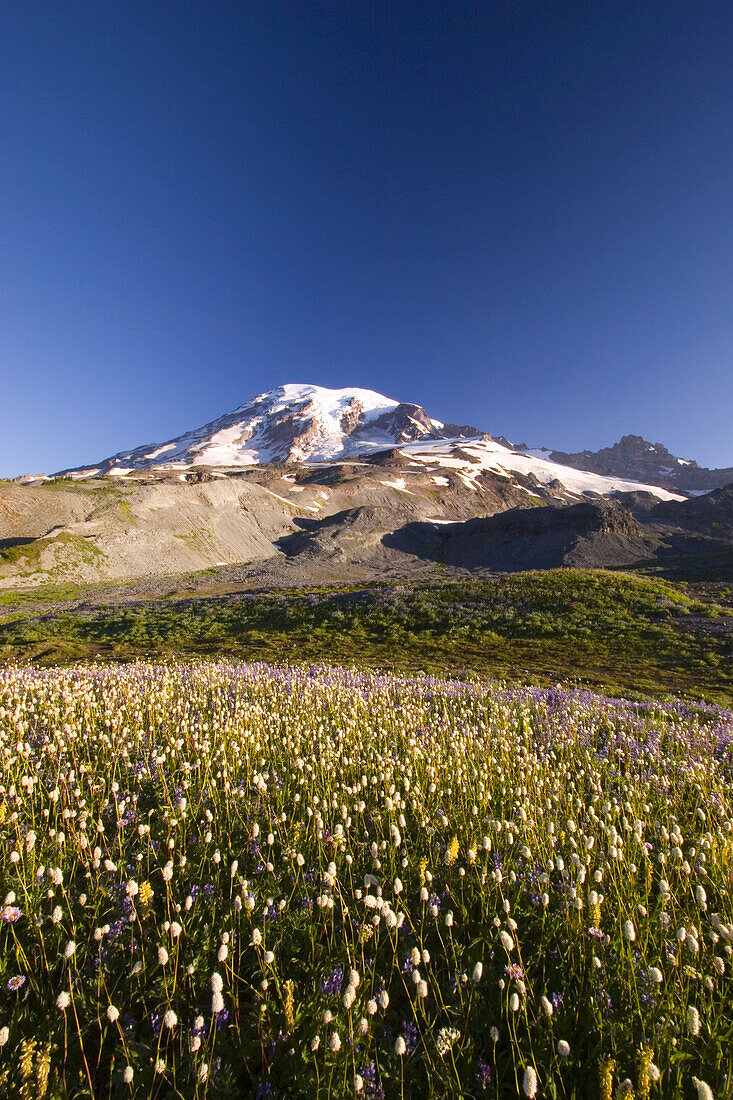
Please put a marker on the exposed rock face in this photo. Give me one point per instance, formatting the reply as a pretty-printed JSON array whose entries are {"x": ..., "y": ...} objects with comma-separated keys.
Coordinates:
[
  {"x": 406, "y": 423},
  {"x": 710, "y": 515},
  {"x": 351, "y": 416},
  {"x": 456, "y": 431},
  {"x": 592, "y": 535},
  {"x": 165, "y": 523},
  {"x": 635, "y": 458},
  {"x": 354, "y": 534}
]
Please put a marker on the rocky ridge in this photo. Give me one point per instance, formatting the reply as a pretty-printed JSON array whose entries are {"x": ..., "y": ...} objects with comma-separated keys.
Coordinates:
[{"x": 636, "y": 458}]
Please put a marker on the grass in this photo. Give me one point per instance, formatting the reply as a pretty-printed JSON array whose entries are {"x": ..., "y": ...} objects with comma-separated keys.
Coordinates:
[
  {"x": 619, "y": 632},
  {"x": 66, "y": 547}
]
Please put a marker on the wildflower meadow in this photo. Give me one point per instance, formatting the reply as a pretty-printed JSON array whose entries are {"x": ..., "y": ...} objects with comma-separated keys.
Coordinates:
[{"x": 224, "y": 880}]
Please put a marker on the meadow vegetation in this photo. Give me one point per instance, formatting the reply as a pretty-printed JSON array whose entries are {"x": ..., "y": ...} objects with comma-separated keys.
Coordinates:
[
  {"x": 227, "y": 880},
  {"x": 610, "y": 630}
]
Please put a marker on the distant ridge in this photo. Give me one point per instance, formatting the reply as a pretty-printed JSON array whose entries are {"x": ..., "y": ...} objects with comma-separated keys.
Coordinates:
[{"x": 636, "y": 458}]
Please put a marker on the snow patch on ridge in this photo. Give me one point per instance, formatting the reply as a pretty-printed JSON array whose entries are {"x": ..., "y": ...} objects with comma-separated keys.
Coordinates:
[{"x": 484, "y": 454}]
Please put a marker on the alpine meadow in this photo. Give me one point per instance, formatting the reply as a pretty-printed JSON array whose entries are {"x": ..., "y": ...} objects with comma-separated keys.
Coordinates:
[{"x": 366, "y": 550}]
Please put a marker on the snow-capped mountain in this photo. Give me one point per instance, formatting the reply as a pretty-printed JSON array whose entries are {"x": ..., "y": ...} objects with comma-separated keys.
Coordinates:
[
  {"x": 311, "y": 424},
  {"x": 293, "y": 423}
]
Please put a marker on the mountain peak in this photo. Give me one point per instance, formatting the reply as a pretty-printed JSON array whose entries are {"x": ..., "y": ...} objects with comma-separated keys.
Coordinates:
[
  {"x": 636, "y": 458},
  {"x": 295, "y": 422}
]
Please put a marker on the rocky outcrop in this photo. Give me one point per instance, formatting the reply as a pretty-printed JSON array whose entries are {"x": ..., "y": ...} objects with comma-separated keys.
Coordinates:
[
  {"x": 351, "y": 416},
  {"x": 404, "y": 424},
  {"x": 636, "y": 458},
  {"x": 590, "y": 535},
  {"x": 710, "y": 515}
]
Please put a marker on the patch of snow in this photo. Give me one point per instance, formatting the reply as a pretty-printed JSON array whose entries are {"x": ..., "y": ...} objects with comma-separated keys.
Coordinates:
[
  {"x": 290, "y": 504},
  {"x": 494, "y": 457},
  {"x": 440, "y": 480},
  {"x": 398, "y": 483},
  {"x": 468, "y": 482},
  {"x": 161, "y": 450},
  {"x": 420, "y": 427}
]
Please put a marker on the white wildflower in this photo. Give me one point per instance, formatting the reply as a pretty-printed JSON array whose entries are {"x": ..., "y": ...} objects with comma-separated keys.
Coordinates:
[
  {"x": 693, "y": 1020},
  {"x": 529, "y": 1082}
]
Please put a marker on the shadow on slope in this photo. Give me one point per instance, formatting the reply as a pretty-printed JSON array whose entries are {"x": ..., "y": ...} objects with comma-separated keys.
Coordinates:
[{"x": 589, "y": 535}]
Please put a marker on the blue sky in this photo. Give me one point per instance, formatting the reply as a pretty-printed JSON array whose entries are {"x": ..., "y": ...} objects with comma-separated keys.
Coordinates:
[{"x": 517, "y": 214}]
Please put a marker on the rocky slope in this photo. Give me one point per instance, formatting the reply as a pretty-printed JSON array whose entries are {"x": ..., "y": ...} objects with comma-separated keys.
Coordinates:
[
  {"x": 635, "y": 458},
  {"x": 103, "y": 529},
  {"x": 587, "y": 535},
  {"x": 710, "y": 515}
]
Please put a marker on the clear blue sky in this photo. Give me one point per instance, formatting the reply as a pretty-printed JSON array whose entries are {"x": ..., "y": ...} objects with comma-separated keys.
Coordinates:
[{"x": 518, "y": 214}]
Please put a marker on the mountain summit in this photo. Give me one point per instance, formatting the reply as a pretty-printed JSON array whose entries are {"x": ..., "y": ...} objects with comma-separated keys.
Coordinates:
[{"x": 293, "y": 423}]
